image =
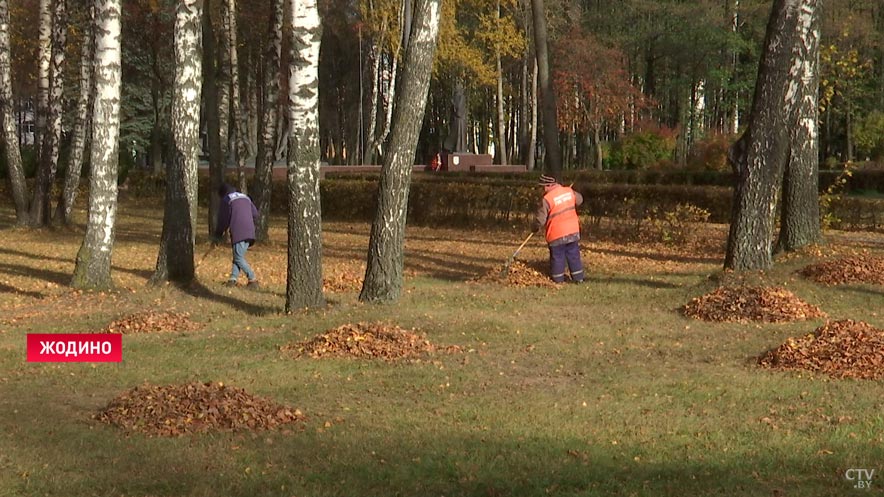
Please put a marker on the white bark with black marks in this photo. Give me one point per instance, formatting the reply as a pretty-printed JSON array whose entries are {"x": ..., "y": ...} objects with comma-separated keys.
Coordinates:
[
  {"x": 44, "y": 64},
  {"x": 50, "y": 146},
  {"x": 93, "y": 266},
  {"x": 386, "y": 251},
  {"x": 304, "y": 278},
  {"x": 267, "y": 130},
  {"x": 175, "y": 260},
  {"x": 14, "y": 167},
  {"x": 761, "y": 155},
  {"x": 81, "y": 126}
]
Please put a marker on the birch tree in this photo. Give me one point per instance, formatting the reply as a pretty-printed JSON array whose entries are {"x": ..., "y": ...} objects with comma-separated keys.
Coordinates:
[
  {"x": 93, "y": 265},
  {"x": 304, "y": 278},
  {"x": 552, "y": 152},
  {"x": 175, "y": 260},
  {"x": 237, "y": 119},
  {"x": 50, "y": 145},
  {"x": 269, "y": 106},
  {"x": 81, "y": 126},
  {"x": 217, "y": 158},
  {"x": 44, "y": 63},
  {"x": 783, "y": 93},
  {"x": 386, "y": 251},
  {"x": 14, "y": 165}
]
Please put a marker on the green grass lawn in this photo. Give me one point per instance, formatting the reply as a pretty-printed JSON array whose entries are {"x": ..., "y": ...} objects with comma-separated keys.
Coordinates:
[{"x": 599, "y": 389}]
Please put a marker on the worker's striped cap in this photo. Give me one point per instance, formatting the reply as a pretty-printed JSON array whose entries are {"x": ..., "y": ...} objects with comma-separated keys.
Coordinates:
[{"x": 547, "y": 180}]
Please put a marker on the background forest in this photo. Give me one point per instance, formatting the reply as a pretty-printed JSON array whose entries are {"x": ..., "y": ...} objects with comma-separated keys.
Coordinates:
[{"x": 640, "y": 84}]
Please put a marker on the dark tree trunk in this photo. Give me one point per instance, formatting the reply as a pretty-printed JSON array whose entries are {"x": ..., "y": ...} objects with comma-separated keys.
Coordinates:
[
  {"x": 386, "y": 257},
  {"x": 93, "y": 266},
  {"x": 553, "y": 152},
  {"x": 800, "y": 224},
  {"x": 759, "y": 157},
  {"x": 14, "y": 165},
  {"x": 175, "y": 259},
  {"x": 213, "y": 121},
  {"x": 266, "y": 155},
  {"x": 304, "y": 278}
]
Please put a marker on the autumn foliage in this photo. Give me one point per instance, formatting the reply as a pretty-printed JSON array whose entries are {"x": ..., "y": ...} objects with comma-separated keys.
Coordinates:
[
  {"x": 847, "y": 270},
  {"x": 365, "y": 341},
  {"x": 755, "y": 304}
]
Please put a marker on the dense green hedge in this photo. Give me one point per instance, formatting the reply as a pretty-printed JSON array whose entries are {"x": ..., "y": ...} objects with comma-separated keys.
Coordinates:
[{"x": 478, "y": 200}]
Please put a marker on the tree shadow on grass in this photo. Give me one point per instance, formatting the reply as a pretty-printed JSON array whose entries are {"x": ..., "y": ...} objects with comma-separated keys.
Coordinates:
[
  {"x": 662, "y": 257},
  {"x": 198, "y": 290},
  {"x": 11, "y": 289},
  {"x": 57, "y": 277}
]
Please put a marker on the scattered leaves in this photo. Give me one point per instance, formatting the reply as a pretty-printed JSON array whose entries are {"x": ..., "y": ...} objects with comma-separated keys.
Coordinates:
[
  {"x": 867, "y": 269},
  {"x": 176, "y": 410},
  {"x": 744, "y": 304},
  {"x": 843, "y": 349}
]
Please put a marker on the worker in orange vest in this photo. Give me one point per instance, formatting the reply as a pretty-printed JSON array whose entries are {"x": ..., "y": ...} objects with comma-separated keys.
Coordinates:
[{"x": 558, "y": 213}]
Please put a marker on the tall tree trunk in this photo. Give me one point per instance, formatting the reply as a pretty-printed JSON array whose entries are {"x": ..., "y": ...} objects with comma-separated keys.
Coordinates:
[
  {"x": 44, "y": 65},
  {"x": 237, "y": 119},
  {"x": 266, "y": 156},
  {"x": 81, "y": 126},
  {"x": 760, "y": 155},
  {"x": 304, "y": 278},
  {"x": 213, "y": 121},
  {"x": 532, "y": 139},
  {"x": 223, "y": 80},
  {"x": 553, "y": 152},
  {"x": 377, "y": 52},
  {"x": 48, "y": 163},
  {"x": 800, "y": 225},
  {"x": 93, "y": 266},
  {"x": 175, "y": 258},
  {"x": 500, "y": 147},
  {"x": 386, "y": 250},
  {"x": 14, "y": 165}
]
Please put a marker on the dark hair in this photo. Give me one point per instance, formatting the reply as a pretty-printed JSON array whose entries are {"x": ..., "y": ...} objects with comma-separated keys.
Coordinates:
[{"x": 224, "y": 189}]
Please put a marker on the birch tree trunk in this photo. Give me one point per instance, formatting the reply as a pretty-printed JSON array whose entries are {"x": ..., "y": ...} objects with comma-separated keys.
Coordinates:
[
  {"x": 389, "y": 101},
  {"x": 552, "y": 152},
  {"x": 236, "y": 105},
  {"x": 93, "y": 266},
  {"x": 501, "y": 116},
  {"x": 81, "y": 126},
  {"x": 304, "y": 273},
  {"x": 10, "y": 132},
  {"x": 44, "y": 64},
  {"x": 386, "y": 256},
  {"x": 217, "y": 158},
  {"x": 269, "y": 106},
  {"x": 223, "y": 82},
  {"x": 532, "y": 141},
  {"x": 48, "y": 162},
  {"x": 377, "y": 52},
  {"x": 760, "y": 155},
  {"x": 800, "y": 223},
  {"x": 175, "y": 259}
]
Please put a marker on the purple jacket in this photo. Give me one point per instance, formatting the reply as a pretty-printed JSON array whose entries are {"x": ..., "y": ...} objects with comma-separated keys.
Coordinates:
[{"x": 238, "y": 213}]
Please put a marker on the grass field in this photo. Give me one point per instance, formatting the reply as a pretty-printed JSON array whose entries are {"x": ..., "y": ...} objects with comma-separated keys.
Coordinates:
[{"x": 599, "y": 389}]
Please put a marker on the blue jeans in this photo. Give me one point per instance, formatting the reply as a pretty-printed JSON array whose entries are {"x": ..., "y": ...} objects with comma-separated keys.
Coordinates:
[
  {"x": 239, "y": 261},
  {"x": 559, "y": 255}
]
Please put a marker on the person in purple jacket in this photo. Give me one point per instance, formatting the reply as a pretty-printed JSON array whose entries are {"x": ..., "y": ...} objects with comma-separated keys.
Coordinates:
[{"x": 238, "y": 213}]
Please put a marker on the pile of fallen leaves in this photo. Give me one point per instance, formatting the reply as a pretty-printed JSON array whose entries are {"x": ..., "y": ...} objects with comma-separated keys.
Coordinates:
[
  {"x": 176, "y": 410},
  {"x": 365, "y": 341},
  {"x": 342, "y": 281},
  {"x": 743, "y": 304},
  {"x": 867, "y": 269},
  {"x": 843, "y": 349},
  {"x": 152, "y": 322},
  {"x": 519, "y": 275}
]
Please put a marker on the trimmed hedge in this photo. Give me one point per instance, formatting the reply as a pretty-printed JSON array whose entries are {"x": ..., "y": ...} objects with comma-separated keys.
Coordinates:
[{"x": 482, "y": 200}]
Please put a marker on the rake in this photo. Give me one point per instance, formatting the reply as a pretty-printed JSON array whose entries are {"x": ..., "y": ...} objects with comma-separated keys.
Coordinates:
[
  {"x": 506, "y": 268},
  {"x": 206, "y": 254}
]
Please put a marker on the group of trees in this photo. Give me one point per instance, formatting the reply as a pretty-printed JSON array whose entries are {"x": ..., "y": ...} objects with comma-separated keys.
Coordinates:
[{"x": 158, "y": 81}]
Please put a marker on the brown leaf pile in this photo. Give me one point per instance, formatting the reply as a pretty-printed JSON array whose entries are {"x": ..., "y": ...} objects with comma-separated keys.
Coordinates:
[
  {"x": 519, "y": 275},
  {"x": 843, "y": 349},
  {"x": 365, "y": 341},
  {"x": 176, "y": 410},
  {"x": 152, "y": 322},
  {"x": 867, "y": 269},
  {"x": 342, "y": 281},
  {"x": 744, "y": 304}
]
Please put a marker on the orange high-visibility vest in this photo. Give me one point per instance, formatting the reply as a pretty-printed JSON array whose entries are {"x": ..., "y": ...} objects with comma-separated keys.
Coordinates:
[{"x": 562, "y": 219}]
